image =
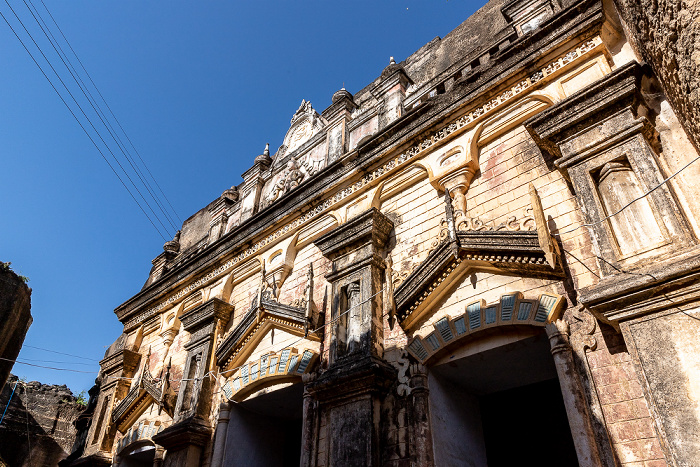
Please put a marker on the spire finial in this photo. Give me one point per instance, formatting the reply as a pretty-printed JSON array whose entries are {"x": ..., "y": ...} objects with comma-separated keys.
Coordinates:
[
  {"x": 267, "y": 149},
  {"x": 391, "y": 61}
]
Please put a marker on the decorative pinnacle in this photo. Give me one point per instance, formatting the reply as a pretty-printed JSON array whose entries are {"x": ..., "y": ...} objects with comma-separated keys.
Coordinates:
[
  {"x": 391, "y": 61},
  {"x": 266, "y": 152}
]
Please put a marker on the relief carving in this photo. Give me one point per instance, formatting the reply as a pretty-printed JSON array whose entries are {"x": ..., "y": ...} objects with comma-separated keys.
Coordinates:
[
  {"x": 294, "y": 174},
  {"x": 526, "y": 222},
  {"x": 583, "y": 325},
  {"x": 402, "y": 364}
]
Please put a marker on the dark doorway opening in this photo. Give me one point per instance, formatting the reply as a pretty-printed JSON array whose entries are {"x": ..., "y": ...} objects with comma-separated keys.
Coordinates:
[
  {"x": 524, "y": 423},
  {"x": 500, "y": 405},
  {"x": 265, "y": 431},
  {"x": 138, "y": 456}
]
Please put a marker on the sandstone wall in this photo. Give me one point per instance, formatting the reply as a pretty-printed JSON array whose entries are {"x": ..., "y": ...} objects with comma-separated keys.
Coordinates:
[
  {"x": 667, "y": 34},
  {"x": 15, "y": 317},
  {"x": 38, "y": 426}
]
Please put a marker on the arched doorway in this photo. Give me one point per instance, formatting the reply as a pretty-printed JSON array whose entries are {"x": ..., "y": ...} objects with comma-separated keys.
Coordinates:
[
  {"x": 496, "y": 401},
  {"x": 138, "y": 454}
]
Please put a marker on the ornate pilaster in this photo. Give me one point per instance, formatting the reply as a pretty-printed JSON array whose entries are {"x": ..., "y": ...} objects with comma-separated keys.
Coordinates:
[
  {"x": 577, "y": 409},
  {"x": 421, "y": 433},
  {"x": 350, "y": 391},
  {"x": 186, "y": 438}
]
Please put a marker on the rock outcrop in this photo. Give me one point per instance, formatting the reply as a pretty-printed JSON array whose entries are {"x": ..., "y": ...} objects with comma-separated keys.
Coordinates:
[{"x": 38, "y": 427}]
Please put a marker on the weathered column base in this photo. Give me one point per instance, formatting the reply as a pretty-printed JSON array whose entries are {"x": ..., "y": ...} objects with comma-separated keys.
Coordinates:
[
  {"x": 349, "y": 397},
  {"x": 577, "y": 410}
]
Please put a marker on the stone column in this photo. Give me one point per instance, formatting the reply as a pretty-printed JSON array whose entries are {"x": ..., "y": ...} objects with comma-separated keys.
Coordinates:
[
  {"x": 350, "y": 392},
  {"x": 191, "y": 431},
  {"x": 217, "y": 457},
  {"x": 577, "y": 409},
  {"x": 308, "y": 428},
  {"x": 421, "y": 434}
]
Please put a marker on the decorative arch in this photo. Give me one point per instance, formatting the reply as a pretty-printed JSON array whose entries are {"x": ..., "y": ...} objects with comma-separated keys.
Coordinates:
[
  {"x": 509, "y": 118},
  {"x": 287, "y": 365},
  {"x": 510, "y": 310}
]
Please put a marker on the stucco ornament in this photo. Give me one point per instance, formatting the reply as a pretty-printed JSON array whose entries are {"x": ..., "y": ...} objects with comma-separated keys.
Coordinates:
[{"x": 305, "y": 123}]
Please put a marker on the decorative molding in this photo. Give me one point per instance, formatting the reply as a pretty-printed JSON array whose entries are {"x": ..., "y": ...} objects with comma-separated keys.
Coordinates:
[
  {"x": 292, "y": 176},
  {"x": 503, "y": 252},
  {"x": 145, "y": 430},
  {"x": 511, "y": 309},
  {"x": 240, "y": 341},
  {"x": 271, "y": 368},
  {"x": 583, "y": 326}
]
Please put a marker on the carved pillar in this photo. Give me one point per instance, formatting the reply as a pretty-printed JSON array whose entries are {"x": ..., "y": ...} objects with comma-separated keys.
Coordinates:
[
  {"x": 350, "y": 391},
  {"x": 310, "y": 414},
  {"x": 391, "y": 92},
  {"x": 577, "y": 409},
  {"x": 186, "y": 438},
  {"x": 217, "y": 457},
  {"x": 421, "y": 434}
]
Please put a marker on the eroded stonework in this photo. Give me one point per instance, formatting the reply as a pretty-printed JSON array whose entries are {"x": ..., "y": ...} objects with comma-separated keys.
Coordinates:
[{"x": 478, "y": 246}]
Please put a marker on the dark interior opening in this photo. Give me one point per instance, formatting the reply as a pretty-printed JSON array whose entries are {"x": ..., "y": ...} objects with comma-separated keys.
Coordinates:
[
  {"x": 265, "y": 431},
  {"x": 500, "y": 407},
  {"x": 142, "y": 456},
  {"x": 527, "y": 423}
]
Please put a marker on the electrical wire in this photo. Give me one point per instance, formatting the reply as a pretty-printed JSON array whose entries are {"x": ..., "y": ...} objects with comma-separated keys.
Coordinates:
[
  {"x": 666, "y": 180},
  {"x": 8, "y": 402},
  {"x": 95, "y": 106},
  {"x": 111, "y": 113},
  {"x": 73, "y": 113},
  {"x": 60, "y": 353},
  {"x": 47, "y": 367},
  {"x": 50, "y": 361}
]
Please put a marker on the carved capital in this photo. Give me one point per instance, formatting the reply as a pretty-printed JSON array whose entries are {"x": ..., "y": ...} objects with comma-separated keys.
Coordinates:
[{"x": 558, "y": 333}]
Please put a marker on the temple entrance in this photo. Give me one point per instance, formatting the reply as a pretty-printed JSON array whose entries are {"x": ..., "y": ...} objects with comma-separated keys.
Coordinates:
[
  {"x": 501, "y": 406},
  {"x": 265, "y": 430}
]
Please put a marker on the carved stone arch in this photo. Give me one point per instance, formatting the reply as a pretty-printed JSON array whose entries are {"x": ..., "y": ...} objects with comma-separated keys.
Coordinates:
[
  {"x": 269, "y": 369},
  {"x": 509, "y": 118},
  {"x": 511, "y": 311}
]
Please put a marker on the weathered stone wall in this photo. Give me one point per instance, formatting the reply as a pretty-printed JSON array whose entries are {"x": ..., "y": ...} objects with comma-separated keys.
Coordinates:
[
  {"x": 15, "y": 317},
  {"x": 38, "y": 426},
  {"x": 625, "y": 411},
  {"x": 667, "y": 34},
  {"x": 667, "y": 349}
]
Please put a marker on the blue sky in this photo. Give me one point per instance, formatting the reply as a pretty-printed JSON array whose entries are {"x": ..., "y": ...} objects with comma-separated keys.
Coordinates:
[{"x": 200, "y": 87}]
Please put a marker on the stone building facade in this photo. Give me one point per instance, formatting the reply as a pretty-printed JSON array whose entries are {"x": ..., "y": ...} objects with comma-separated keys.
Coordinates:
[{"x": 474, "y": 260}]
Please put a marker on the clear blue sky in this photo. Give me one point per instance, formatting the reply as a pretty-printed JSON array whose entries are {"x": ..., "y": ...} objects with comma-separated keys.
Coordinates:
[{"x": 200, "y": 87}]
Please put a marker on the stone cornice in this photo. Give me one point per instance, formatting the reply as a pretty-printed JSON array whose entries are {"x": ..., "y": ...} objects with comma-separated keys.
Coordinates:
[
  {"x": 233, "y": 343},
  {"x": 308, "y": 198},
  {"x": 370, "y": 227},
  {"x": 211, "y": 310},
  {"x": 662, "y": 285},
  {"x": 502, "y": 252},
  {"x": 192, "y": 431},
  {"x": 620, "y": 89}
]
